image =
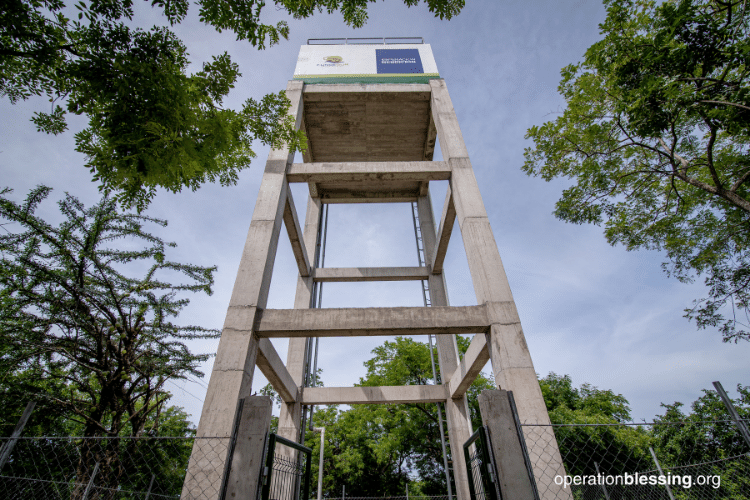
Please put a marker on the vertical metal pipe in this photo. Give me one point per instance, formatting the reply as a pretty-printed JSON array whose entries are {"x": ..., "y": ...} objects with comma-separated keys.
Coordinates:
[
  {"x": 91, "y": 482},
  {"x": 150, "y": 485},
  {"x": 661, "y": 473},
  {"x": 320, "y": 465},
  {"x": 604, "y": 487},
  {"x": 733, "y": 412},
  {"x": 11, "y": 443}
]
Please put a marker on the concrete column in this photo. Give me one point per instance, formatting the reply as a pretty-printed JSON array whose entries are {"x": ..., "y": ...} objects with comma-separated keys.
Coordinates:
[
  {"x": 457, "y": 410},
  {"x": 509, "y": 354},
  {"x": 290, "y": 415},
  {"x": 232, "y": 375}
]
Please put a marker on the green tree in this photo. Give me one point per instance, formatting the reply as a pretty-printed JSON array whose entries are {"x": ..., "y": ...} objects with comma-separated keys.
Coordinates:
[
  {"x": 150, "y": 123},
  {"x": 586, "y": 446},
  {"x": 707, "y": 436},
  {"x": 75, "y": 316},
  {"x": 375, "y": 449},
  {"x": 655, "y": 138}
]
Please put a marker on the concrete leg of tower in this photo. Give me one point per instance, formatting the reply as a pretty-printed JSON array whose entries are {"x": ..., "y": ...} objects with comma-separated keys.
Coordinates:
[
  {"x": 232, "y": 375},
  {"x": 291, "y": 413},
  {"x": 509, "y": 354},
  {"x": 457, "y": 410}
]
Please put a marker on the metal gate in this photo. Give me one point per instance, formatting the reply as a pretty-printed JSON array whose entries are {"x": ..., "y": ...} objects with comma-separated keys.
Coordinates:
[
  {"x": 480, "y": 467},
  {"x": 284, "y": 478}
]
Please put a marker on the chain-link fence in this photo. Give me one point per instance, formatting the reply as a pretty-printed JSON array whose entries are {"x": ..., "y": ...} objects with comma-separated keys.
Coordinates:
[
  {"x": 659, "y": 460},
  {"x": 70, "y": 468},
  {"x": 662, "y": 460},
  {"x": 403, "y": 497}
]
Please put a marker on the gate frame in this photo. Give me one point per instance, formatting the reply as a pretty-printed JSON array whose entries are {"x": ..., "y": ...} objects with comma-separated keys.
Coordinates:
[
  {"x": 273, "y": 439},
  {"x": 487, "y": 473}
]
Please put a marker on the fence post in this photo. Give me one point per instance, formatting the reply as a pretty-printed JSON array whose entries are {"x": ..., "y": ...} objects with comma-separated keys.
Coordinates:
[
  {"x": 661, "y": 473},
  {"x": 598, "y": 473},
  {"x": 153, "y": 476},
  {"x": 733, "y": 412},
  {"x": 246, "y": 460},
  {"x": 230, "y": 449},
  {"x": 8, "y": 448},
  {"x": 512, "y": 473},
  {"x": 91, "y": 482}
]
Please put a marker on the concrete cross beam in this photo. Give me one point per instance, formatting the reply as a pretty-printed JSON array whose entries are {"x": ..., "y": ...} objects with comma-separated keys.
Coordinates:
[
  {"x": 374, "y": 395},
  {"x": 349, "y": 274},
  {"x": 472, "y": 363},
  {"x": 375, "y": 171},
  {"x": 318, "y": 92},
  {"x": 273, "y": 368},
  {"x": 295, "y": 236},
  {"x": 345, "y": 195},
  {"x": 444, "y": 232},
  {"x": 374, "y": 321}
]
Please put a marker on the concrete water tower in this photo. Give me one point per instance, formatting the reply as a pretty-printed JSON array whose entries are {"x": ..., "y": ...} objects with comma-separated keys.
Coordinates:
[{"x": 372, "y": 113}]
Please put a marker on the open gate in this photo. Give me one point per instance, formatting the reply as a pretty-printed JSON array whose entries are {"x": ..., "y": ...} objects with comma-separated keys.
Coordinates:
[
  {"x": 284, "y": 478},
  {"x": 480, "y": 467}
]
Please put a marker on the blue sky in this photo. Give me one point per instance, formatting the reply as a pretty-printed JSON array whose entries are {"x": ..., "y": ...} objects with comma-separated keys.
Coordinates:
[{"x": 598, "y": 313}]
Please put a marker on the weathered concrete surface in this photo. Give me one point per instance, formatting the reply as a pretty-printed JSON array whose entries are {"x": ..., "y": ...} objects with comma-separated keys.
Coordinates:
[
  {"x": 456, "y": 410},
  {"x": 509, "y": 354},
  {"x": 367, "y": 122},
  {"x": 369, "y": 395},
  {"x": 370, "y": 171},
  {"x": 472, "y": 363},
  {"x": 506, "y": 446},
  {"x": 373, "y": 321},
  {"x": 346, "y": 274}
]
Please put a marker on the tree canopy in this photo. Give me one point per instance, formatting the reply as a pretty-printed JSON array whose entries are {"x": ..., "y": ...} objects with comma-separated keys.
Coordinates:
[
  {"x": 150, "y": 123},
  {"x": 656, "y": 138}
]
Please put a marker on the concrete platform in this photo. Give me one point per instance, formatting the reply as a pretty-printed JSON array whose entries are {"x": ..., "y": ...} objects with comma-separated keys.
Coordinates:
[{"x": 368, "y": 122}]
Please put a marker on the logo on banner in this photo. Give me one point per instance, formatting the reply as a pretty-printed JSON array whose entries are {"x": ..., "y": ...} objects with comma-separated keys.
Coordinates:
[
  {"x": 398, "y": 61},
  {"x": 333, "y": 62}
]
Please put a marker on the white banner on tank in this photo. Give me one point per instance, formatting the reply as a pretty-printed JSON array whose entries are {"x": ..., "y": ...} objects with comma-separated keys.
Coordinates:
[{"x": 365, "y": 63}]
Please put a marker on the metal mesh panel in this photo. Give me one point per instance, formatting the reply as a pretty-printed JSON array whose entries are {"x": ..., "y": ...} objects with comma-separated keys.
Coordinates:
[
  {"x": 475, "y": 465},
  {"x": 287, "y": 478}
]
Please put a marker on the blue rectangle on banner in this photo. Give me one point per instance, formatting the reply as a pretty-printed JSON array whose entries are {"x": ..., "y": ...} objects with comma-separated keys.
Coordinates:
[{"x": 398, "y": 61}]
